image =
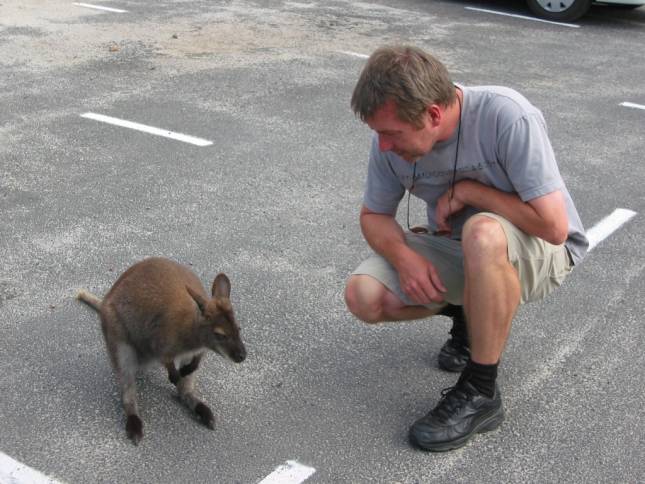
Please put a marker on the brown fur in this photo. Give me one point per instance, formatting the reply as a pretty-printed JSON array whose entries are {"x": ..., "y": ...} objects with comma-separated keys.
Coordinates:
[{"x": 158, "y": 311}]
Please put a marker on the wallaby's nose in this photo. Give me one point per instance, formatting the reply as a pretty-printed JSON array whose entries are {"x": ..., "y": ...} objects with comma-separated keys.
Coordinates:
[{"x": 239, "y": 355}]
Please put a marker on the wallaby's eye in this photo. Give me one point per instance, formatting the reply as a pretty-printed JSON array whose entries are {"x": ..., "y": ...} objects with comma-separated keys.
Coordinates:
[{"x": 220, "y": 334}]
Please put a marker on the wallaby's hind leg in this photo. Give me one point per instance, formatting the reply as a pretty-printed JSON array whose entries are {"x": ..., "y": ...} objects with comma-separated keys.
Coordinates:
[
  {"x": 186, "y": 388},
  {"x": 126, "y": 368},
  {"x": 125, "y": 364}
]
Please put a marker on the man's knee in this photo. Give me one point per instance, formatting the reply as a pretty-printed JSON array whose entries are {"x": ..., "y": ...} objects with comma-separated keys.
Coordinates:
[
  {"x": 484, "y": 238},
  {"x": 364, "y": 298}
]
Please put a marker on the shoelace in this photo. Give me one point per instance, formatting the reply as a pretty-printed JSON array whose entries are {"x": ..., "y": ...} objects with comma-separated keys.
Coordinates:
[{"x": 452, "y": 399}]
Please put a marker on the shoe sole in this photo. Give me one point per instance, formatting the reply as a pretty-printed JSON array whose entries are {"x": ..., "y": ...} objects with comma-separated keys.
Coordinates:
[{"x": 488, "y": 425}]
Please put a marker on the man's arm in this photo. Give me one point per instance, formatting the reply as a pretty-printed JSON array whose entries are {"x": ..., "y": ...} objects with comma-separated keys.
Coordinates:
[
  {"x": 544, "y": 217},
  {"x": 418, "y": 277}
]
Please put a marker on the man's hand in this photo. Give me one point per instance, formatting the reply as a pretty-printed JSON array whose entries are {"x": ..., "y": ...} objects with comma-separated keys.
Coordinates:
[
  {"x": 419, "y": 279},
  {"x": 447, "y": 205}
]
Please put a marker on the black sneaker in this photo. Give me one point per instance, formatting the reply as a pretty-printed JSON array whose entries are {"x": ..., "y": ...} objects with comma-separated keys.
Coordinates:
[
  {"x": 461, "y": 413},
  {"x": 453, "y": 356},
  {"x": 455, "y": 353}
]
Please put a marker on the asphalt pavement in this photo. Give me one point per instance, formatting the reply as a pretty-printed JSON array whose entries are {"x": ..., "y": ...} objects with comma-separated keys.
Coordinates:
[{"x": 273, "y": 202}]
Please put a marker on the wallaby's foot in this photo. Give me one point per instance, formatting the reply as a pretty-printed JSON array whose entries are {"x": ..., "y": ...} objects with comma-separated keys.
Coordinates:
[
  {"x": 190, "y": 367},
  {"x": 134, "y": 429},
  {"x": 205, "y": 415}
]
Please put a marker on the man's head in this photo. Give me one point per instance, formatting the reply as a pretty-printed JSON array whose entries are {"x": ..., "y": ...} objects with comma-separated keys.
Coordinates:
[{"x": 402, "y": 94}]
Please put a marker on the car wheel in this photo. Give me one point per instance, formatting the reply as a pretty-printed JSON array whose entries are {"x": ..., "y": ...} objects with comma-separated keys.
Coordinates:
[{"x": 559, "y": 10}]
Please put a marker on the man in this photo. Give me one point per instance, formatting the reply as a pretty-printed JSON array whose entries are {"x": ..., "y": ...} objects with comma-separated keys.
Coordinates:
[{"x": 501, "y": 226}]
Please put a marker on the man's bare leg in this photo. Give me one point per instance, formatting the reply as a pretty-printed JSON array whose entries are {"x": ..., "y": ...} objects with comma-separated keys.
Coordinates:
[
  {"x": 492, "y": 289},
  {"x": 491, "y": 297},
  {"x": 371, "y": 302}
]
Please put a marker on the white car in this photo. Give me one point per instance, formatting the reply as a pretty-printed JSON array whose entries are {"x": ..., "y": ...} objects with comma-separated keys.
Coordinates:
[{"x": 568, "y": 10}]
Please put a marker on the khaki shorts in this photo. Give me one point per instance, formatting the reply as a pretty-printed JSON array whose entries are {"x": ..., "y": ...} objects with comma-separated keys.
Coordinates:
[{"x": 541, "y": 266}]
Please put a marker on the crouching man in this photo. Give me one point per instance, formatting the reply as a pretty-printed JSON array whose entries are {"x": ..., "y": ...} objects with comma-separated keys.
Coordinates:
[{"x": 501, "y": 227}]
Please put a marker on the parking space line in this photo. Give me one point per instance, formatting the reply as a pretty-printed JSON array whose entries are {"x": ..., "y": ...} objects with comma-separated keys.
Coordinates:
[
  {"x": 632, "y": 105},
  {"x": 14, "y": 472},
  {"x": 291, "y": 472},
  {"x": 148, "y": 129},
  {"x": 495, "y": 12},
  {"x": 353, "y": 54},
  {"x": 99, "y": 7},
  {"x": 608, "y": 225}
]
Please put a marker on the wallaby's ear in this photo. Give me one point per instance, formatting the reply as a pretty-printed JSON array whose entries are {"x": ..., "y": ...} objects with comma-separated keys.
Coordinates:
[
  {"x": 221, "y": 286},
  {"x": 199, "y": 299}
]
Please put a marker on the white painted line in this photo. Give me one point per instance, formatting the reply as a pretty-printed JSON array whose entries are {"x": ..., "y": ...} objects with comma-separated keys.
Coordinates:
[
  {"x": 608, "y": 225},
  {"x": 632, "y": 105},
  {"x": 98, "y": 7},
  {"x": 353, "y": 54},
  {"x": 14, "y": 472},
  {"x": 522, "y": 17},
  {"x": 148, "y": 129},
  {"x": 291, "y": 472}
]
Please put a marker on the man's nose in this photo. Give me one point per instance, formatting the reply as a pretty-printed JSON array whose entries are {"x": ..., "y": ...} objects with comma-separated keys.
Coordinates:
[{"x": 384, "y": 144}]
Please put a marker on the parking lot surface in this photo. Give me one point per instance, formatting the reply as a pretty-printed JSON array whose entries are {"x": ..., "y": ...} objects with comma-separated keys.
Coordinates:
[{"x": 273, "y": 202}]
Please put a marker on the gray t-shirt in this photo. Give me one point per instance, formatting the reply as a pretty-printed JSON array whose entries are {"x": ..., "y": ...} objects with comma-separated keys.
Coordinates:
[{"x": 503, "y": 144}]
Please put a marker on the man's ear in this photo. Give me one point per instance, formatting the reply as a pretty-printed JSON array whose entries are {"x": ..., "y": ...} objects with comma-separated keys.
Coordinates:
[
  {"x": 435, "y": 114},
  {"x": 198, "y": 298}
]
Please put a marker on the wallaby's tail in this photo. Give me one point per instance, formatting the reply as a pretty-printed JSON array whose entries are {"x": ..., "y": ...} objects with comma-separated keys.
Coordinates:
[{"x": 90, "y": 299}]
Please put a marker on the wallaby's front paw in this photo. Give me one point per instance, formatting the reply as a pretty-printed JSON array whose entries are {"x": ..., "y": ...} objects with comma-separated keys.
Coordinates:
[
  {"x": 173, "y": 375},
  {"x": 205, "y": 415},
  {"x": 134, "y": 429},
  {"x": 190, "y": 367}
]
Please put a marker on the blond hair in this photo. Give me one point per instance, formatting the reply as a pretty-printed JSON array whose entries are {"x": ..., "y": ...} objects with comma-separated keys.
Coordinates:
[{"x": 410, "y": 77}]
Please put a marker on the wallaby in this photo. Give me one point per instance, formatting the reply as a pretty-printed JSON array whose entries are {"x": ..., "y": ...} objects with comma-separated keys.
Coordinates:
[{"x": 158, "y": 311}]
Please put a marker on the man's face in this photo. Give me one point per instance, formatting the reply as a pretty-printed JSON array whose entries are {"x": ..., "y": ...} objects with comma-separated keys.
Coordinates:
[{"x": 406, "y": 140}]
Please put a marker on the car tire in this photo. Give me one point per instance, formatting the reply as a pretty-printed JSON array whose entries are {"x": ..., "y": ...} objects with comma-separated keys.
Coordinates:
[{"x": 559, "y": 10}]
